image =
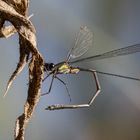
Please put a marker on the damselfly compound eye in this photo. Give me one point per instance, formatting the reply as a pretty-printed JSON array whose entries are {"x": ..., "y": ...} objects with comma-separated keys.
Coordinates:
[{"x": 48, "y": 66}]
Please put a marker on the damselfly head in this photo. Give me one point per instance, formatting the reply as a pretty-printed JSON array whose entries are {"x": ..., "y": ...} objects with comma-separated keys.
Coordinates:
[{"x": 48, "y": 66}]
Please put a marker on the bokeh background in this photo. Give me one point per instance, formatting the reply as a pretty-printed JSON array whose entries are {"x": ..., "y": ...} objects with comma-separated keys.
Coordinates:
[{"x": 115, "y": 114}]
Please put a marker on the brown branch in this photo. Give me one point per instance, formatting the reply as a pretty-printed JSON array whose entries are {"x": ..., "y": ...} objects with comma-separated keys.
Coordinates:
[
  {"x": 15, "y": 11},
  {"x": 32, "y": 99}
]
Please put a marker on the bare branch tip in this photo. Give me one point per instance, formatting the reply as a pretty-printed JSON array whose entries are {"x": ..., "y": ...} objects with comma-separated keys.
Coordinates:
[{"x": 31, "y": 16}]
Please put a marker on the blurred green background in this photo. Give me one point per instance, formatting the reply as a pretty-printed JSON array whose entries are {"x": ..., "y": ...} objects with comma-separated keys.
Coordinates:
[{"x": 115, "y": 113}]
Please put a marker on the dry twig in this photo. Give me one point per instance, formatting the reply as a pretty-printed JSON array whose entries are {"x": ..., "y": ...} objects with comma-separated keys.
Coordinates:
[{"x": 15, "y": 11}]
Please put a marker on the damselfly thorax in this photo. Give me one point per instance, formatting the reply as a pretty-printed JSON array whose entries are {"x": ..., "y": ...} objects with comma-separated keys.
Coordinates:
[{"x": 61, "y": 68}]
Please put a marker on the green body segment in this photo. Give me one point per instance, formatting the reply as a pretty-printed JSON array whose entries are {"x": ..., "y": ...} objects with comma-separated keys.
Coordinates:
[{"x": 65, "y": 68}]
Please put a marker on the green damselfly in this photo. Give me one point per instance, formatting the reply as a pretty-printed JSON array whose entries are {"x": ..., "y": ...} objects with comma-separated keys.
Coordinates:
[{"x": 84, "y": 41}]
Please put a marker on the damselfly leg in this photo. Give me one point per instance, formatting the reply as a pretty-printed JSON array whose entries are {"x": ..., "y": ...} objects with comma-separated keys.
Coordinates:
[
  {"x": 98, "y": 89},
  {"x": 54, "y": 75},
  {"x": 50, "y": 87},
  {"x": 65, "y": 86}
]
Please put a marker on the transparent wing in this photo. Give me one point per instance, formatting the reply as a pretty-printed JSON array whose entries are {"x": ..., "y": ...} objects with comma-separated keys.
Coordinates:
[
  {"x": 83, "y": 41},
  {"x": 122, "y": 51}
]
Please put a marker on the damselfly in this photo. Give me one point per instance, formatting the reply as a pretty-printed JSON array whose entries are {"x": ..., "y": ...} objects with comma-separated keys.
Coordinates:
[{"x": 84, "y": 41}]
